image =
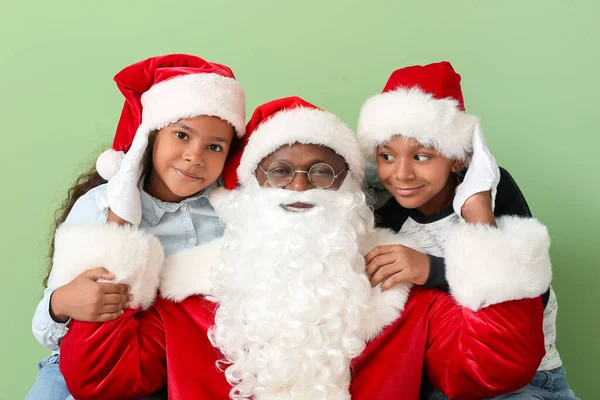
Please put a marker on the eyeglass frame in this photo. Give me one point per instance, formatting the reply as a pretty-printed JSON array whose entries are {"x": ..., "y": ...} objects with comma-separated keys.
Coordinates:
[{"x": 335, "y": 174}]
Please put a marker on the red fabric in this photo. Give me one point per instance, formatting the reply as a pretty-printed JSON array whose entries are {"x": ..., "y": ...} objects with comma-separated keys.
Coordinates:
[
  {"x": 261, "y": 114},
  {"x": 438, "y": 79},
  {"x": 468, "y": 355},
  {"x": 134, "y": 80},
  {"x": 230, "y": 177}
]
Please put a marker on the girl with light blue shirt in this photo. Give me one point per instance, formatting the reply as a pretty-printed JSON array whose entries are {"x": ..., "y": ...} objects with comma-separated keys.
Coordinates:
[{"x": 181, "y": 118}]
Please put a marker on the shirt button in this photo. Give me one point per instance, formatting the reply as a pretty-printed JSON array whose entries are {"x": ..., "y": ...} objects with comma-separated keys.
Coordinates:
[
  {"x": 192, "y": 240},
  {"x": 183, "y": 208}
]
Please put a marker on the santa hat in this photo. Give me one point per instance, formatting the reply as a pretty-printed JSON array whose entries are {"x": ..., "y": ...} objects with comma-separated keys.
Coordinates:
[
  {"x": 424, "y": 103},
  {"x": 160, "y": 91},
  {"x": 287, "y": 121}
]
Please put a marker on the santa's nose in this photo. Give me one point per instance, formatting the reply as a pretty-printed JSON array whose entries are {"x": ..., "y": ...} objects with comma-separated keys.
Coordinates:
[{"x": 300, "y": 183}]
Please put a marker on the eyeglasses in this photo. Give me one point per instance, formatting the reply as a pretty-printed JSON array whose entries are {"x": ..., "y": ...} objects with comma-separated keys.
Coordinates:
[{"x": 320, "y": 175}]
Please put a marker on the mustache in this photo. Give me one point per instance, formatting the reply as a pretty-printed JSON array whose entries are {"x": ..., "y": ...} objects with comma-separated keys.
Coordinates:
[
  {"x": 313, "y": 196},
  {"x": 345, "y": 196}
]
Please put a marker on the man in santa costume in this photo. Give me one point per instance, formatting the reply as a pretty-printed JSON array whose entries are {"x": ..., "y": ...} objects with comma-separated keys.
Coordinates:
[{"x": 282, "y": 305}]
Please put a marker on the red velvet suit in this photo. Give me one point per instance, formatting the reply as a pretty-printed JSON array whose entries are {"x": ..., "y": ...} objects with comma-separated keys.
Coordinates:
[{"x": 467, "y": 354}]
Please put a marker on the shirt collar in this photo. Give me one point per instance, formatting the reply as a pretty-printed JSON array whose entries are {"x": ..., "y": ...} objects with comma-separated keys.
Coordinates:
[{"x": 154, "y": 209}]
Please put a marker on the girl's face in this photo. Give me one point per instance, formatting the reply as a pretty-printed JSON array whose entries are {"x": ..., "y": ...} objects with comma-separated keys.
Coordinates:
[
  {"x": 418, "y": 177},
  {"x": 187, "y": 157}
]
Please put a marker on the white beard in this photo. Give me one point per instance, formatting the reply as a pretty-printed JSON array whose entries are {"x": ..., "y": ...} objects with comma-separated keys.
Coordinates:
[{"x": 292, "y": 292}]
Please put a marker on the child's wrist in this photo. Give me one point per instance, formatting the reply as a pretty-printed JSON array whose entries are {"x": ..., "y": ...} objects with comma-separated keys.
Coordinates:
[
  {"x": 56, "y": 311},
  {"x": 115, "y": 219},
  {"x": 485, "y": 217},
  {"x": 477, "y": 209}
]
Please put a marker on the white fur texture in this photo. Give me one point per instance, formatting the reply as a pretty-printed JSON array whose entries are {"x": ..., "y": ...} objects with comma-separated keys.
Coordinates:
[
  {"x": 383, "y": 309},
  {"x": 109, "y": 162},
  {"x": 134, "y": 257},
  {"x": 306, "y": 126},
  {"x": 412, "y": 113},
  {"x": 192, "y": 95},
  {"x": 187, "y": 272},
  {"x": 223, "y": 201},
  {"x": 295, "y": 303},
  {"x": 485, "y": 265},
  {"x": 293, "y": 293}
]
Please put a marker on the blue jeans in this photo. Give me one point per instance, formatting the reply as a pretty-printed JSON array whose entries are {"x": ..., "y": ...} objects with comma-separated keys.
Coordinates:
[
  {"x": 546, "y": 385},
  {"x": 49, "y": 383}
]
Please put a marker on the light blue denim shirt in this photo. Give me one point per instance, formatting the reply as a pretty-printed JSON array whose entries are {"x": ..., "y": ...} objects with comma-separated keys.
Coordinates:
[{"x": 177, "y": 225}]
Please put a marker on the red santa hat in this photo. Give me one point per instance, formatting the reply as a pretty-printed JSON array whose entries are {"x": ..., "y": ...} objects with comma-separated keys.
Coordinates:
[
  {"x": 160, "y": 91},
  {"x": 287, "y": 121},
  {"x": 424, "y": 103}
]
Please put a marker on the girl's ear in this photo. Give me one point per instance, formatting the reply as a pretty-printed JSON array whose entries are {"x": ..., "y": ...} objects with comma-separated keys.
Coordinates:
[{"x": 457, "y": 165}]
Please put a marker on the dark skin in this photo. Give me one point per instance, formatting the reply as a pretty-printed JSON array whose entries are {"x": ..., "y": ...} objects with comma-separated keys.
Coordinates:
[
  {"x": 419, "y": 178},
  {"x": 302, "y": 157},
  {"x": 187, "y": 157},
  {"x": 85, "y": 299}
]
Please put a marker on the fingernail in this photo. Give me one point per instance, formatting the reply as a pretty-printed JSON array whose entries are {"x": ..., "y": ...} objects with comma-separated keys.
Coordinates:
[
  {"x": 127, "y": 305},
  {"x": 130, "y": 297}
]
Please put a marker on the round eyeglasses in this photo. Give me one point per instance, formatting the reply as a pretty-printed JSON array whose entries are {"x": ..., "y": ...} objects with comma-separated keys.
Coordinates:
[{"x": 320, "y": 175}]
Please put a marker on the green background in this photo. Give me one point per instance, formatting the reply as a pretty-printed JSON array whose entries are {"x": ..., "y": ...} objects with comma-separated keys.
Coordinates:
[{"x": 530, "y": 71}]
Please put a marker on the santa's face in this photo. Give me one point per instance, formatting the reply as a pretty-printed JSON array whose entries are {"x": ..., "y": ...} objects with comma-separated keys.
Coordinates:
[{"x": 302, "y": 167}]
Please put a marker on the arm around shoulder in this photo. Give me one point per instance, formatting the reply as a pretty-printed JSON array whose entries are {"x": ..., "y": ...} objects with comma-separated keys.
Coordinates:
[{"x": 124, "y": 358}]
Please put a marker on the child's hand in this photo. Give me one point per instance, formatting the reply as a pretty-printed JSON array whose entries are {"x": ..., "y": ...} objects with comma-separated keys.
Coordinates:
[
  {"x": 477, "y": 209},
  {"x": 85, "y": 299},
  {"x": 393, "y": 264},
  {"x": 483, "y": 174}
]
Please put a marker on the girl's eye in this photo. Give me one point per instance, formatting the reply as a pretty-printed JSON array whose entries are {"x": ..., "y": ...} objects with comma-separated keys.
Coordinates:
[
  {"x": 386, "y": 157},
  {"x": 421, "y": 157},
  {"x": 215, "y": 147},
  {"x": 181, "y": 135}
]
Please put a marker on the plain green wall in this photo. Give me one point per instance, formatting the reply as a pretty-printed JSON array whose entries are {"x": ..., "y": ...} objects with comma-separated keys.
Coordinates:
[{"x": 530, "y": 70}]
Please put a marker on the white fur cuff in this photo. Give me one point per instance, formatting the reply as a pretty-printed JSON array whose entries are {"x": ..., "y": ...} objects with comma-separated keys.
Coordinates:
[
  {"x": 134, "y": 257},
  {"x": 187, "y": 272},
  {"x": 485, "y": 265}
]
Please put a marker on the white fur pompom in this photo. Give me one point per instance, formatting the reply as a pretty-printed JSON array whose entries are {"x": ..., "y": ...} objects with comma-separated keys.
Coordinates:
[{"x": 109, "y": 162}]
